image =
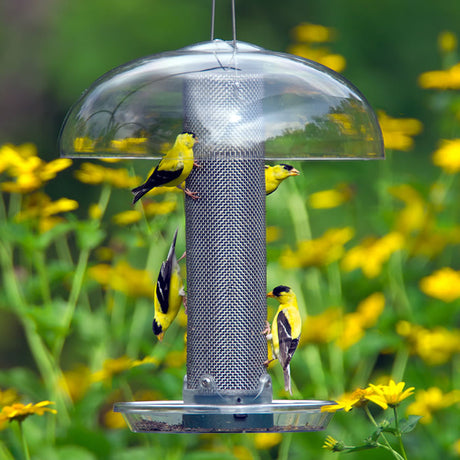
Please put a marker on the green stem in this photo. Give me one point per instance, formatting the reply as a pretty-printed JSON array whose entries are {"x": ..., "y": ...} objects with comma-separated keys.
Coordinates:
[
  {"x": 299, "y": 213},
  {"x": 3, "y": 213},
  {"x": 400, "y": 362},
  {"x": 63, "y": 250},
  {"x": 396, "y": 281},
  {"x": 14, "y": 205},
  {"x": 25, "y": 447},
  {"x": 370, "y": 416},
  {"x": 141, "y": 315},
  {"x": 49, "y": 371},
  {"x": 72, "y": 302},
  {"x": 5, "y": 454},
  {"x": 335, "y": 283},
  {"x": 316, "y": 370},
  {"x": 104, "y": 199},
  {"x": 387, "y": 444},
  {"x": 40, "y": 265},
  {"x": 393, "y": 452},
  {"x": 337, "y": 368},
  {"x": 283, "y": 453},
  {"x": 447, "y": 180},
  {"x": 398, "y": 433}
]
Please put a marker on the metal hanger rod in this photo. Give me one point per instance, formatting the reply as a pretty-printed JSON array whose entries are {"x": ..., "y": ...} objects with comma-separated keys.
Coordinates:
[
  {"x": 213, "y": 17},
  {"x": 213, "y": 20},
  {"x": 233, "y": 22}
]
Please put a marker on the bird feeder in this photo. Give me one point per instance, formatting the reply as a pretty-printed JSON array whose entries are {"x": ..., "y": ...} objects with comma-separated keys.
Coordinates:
[{"x": 246, "y": 105}]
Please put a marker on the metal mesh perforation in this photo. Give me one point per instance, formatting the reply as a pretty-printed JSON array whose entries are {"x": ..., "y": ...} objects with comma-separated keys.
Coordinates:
[{"x": 225, "y": 233}]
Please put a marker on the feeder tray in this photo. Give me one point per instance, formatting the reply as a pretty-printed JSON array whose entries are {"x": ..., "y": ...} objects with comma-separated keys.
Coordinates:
[
  {"x": 245, "y": 105},
  {"x": 178, "y": 417}
]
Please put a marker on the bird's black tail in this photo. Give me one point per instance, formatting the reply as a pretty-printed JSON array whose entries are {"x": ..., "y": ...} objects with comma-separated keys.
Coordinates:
[{"x": 139, "y": 192}]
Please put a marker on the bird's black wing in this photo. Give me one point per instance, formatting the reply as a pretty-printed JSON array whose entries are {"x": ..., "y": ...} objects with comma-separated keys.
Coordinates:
[
  {"x": 287, "y": 344},
  {"x": 161, "y": 177},
  {"x": 164, "y": 277},
  {"x": 163, "y": 282},
  {"x": 157, "y": 178}
]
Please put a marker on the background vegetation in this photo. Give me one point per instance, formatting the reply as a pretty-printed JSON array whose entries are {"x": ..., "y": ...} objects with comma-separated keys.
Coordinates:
[{"x": 371, "y": 248}]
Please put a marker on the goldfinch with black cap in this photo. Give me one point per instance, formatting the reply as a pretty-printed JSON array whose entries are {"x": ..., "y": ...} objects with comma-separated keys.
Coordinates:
[
  {"x": 285, "y": 330},
  {"x": 173, "y": 169},
  {"x": 274, "y": 175}
]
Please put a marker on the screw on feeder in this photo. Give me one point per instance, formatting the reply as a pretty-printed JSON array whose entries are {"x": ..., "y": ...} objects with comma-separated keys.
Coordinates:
[
  {"x": 285, "y": 108},
  {"x": 206, "y": 382}
]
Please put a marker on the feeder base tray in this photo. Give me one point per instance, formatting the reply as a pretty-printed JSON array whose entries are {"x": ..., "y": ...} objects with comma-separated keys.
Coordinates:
[{"x": 178, "y": 417}]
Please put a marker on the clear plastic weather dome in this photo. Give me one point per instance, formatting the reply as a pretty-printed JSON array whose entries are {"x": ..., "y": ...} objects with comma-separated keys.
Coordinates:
[{"x": 289, "y": 107}]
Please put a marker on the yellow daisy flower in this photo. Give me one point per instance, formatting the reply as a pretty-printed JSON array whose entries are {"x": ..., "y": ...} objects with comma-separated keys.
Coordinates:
[
  {"x": 327, "y": 199},
  {"x": 318, "y": 252},
  {"x": 348, "y": 401},
  {"x": 372, "y": 253},
  {"x": 389, "y": 395},
  {"x": 443, "y": 284},
  {"x": 267, "y": 440},
  {"x": 8, "y": 397},
  {"x": 447, "y": 156},
  {"x": 20, "y": 412},
  {"x": 398, "y": 133},
  {"x": 332, "y": 444},
  {"x": 307, "y": 32},
  {"x": 94, "y": 174},
  {"x": 431, "y": 400},
  {"x": 441, "y": 79}
]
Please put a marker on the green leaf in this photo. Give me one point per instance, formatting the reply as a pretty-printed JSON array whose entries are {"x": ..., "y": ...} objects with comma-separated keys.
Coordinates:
[
  {"x": 14, "y": 233},
  {"x": 24, "y": 381},
  {"x": 65, "y": 453},
  {"x": 208, "y": 455},
  {"x": 49, "y": 317},
  {"x": 89, "y": 235},
  {"x": 46, "y": 238},
  {"x": 407, "y": 425},
  {"x": 359, "y": 448}
]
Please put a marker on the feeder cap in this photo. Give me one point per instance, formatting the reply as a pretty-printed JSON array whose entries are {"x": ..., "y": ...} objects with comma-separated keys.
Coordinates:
[{"x": 307, "y": 110}]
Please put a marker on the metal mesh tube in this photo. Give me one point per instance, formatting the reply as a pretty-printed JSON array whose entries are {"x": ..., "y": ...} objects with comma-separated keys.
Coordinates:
[{"x": 225, "y": 234}]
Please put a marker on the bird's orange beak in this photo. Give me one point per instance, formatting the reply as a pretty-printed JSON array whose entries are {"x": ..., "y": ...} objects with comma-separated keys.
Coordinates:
[
  {"x": 294, "y": 172},
  {"x": 161, "y": 336},
  {"x": 270, "y": 294}
]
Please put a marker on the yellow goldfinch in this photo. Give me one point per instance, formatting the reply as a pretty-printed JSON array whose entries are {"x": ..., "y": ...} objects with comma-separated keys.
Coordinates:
[
  {"x": 274, "y": 175},
  {"x": 169, "y": 293},
  {"x": 173, "y": 169},
  {"x": 285, "y": 330}
]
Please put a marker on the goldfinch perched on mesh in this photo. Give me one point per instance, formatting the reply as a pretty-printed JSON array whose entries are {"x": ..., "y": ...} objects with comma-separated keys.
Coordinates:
[
  {"x": 274, "y": 175},
  {"x": 285, "y": 330},
  {"x": 173, "y": 169},
  {"x": 169, "y": 293}
]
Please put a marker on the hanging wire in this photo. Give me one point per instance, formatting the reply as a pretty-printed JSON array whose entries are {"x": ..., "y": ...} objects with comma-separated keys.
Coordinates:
[
  {"x": 233, "y": 23},
  {"x": 213, "y": 19},
  {"x": 213, "y": 16}
]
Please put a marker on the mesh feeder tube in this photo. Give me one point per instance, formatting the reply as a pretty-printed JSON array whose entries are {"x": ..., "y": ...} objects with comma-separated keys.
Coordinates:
[{"x": 226, "y": 242}]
